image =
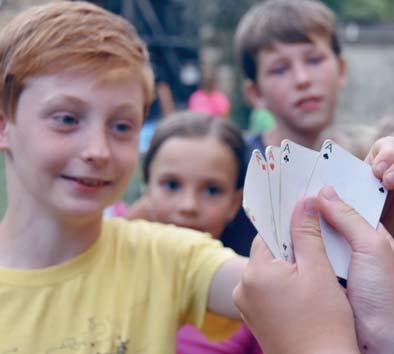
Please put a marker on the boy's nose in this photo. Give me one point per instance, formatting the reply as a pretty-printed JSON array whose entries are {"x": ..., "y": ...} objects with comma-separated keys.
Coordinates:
[
  {"x": 301, "y": 76},
  {"x": 96, "y": 148}
]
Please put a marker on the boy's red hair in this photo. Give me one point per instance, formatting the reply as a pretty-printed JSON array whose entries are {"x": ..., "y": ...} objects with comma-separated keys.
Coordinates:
[{"x": 69, "y": 36}]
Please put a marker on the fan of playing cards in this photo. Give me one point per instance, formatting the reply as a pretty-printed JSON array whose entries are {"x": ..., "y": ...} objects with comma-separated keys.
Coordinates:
[{"x": 276, "y": 181}]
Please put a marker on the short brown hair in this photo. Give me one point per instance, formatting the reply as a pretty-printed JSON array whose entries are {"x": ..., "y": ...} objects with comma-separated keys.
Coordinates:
[
  {"x": 66, "y": 35},
  {"x": 286, "y": 21},
  {"x": 188, "y": 124}
]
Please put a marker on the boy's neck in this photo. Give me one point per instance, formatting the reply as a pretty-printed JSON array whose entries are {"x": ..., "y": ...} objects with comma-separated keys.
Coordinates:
[
  {"x": 275, "y": 137},
  {"x": 43, "y": 242}
]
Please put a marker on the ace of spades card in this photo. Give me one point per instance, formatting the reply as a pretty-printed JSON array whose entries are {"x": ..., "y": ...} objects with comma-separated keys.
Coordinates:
[
  {"x": 356, "y": 185},
  {"x": 275, "y": 182}
]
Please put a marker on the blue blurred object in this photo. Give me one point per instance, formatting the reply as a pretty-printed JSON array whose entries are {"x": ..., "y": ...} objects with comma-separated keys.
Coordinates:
[{"x": 146, "y": 134}]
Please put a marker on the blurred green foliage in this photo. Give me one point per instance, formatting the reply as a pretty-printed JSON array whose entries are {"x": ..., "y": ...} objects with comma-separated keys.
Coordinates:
[{"x": 366, "y": 11}]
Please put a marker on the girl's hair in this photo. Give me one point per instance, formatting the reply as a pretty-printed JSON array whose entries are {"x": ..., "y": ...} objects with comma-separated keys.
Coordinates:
[{"x": 195, "y": 125}]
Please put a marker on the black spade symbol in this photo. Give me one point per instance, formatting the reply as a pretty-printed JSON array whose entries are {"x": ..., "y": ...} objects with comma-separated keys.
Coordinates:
[
  {"x": 325, "y": 156},
  {"x": 381, "y": 190}
]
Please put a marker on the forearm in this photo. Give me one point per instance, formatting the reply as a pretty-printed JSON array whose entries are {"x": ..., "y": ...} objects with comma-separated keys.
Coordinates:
[{"x": 223, "y": 283}]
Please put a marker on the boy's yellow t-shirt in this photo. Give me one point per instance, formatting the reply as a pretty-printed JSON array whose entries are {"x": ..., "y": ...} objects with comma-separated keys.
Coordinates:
[{"x": 128, "y": 293}]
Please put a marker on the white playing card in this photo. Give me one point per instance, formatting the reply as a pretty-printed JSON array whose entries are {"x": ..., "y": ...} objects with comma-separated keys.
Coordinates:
[
  {"x": 256, "y": 201},
  {"x": 272, "y": 157},
  {"x": 356, "y": 184},
  {"x": 296, "y": 167}
]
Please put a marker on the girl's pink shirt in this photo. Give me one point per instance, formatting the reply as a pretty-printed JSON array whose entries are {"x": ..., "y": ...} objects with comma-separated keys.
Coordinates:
[{"x": 190, "y": 340}]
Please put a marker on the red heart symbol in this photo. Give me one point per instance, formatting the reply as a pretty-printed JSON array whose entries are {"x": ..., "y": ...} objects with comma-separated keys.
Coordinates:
[
  {"x": 272, "y": 166},
  {"x": 264, "y": 167}
]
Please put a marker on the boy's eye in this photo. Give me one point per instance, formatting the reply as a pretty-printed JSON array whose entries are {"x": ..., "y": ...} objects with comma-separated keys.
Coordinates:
[
  {"x": 279, "y": 70},
  {"x": 121, "y": 127},
  {"x": 66, "y": 121},
  {"x": 315, "y": 60},
  {"x": 213, "y": 190},
  {"x": 171, "y": 185}
]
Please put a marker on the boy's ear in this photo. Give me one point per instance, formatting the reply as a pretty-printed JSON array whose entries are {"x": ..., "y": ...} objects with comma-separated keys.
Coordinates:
[
  {"x": 3, "y": 132},
  {"x": 237, "y": 200},
  {"x": 342, "y": 69},
  {"x": 253, "y": 94}
]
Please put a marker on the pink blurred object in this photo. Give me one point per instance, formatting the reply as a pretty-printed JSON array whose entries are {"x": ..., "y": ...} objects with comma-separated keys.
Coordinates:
[
  {"x": 212, "y": 102},
  {"x": 118, "y": 209}
]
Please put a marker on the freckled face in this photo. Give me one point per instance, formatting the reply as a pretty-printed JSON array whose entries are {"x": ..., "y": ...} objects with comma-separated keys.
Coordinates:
[
  {"x": 193, "y": 184},
  {"x": 74, "y": 143}
]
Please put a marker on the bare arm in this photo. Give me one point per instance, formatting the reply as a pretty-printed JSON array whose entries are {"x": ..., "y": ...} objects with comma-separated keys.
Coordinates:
[
  {"x": 223, "y": 283},
  {"x": 140, "y": 209}
]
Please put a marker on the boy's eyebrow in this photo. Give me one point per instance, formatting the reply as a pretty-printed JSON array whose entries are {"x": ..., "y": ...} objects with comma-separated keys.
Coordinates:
[
  {"x": 126, "y": 107},
  {"x": 57, "y": 99},
  {"x": 76, "y": 101}
]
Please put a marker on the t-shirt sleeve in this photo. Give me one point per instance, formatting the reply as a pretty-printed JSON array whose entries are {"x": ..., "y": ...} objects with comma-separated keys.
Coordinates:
[{"x": 196, "y": 258}]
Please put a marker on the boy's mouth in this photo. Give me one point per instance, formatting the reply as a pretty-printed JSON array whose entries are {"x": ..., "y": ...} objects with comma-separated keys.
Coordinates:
[
  {"x": 309, "y": 103},
  {"x": 89, "y": 182}
]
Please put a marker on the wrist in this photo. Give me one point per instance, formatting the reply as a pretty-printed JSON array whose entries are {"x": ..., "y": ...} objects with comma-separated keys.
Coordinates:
[{"x": 344, "y": 342}]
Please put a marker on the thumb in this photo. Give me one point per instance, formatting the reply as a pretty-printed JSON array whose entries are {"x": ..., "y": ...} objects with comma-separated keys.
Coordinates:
[
  {"x": 260, "y": 250},
  {"x": 347, "y": 222},
  {"x": 308, "y": 244}
]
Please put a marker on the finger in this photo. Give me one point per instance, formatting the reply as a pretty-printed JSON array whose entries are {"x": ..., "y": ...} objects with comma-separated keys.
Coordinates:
[
  {"x": 388, "y": 178},
  {"x": 260, "y": 251},
  {"x": 306, "y": 235},
  {"x": 383, "y": 231},
  {"x": 346, "y": 221},
  {"x": 387, "y": 217},
  {"x": 381, "y": 158}
]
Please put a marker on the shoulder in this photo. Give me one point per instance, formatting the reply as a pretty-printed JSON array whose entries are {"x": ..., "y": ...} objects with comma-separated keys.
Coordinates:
[{"x": 150, "y": 236}]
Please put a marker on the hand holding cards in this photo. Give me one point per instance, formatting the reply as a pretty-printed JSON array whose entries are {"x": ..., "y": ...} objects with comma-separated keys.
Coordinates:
[{"x": 276, "y": 181}]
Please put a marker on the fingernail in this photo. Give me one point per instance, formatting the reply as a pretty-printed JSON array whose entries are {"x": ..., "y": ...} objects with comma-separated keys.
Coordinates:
[
  {"x": 310, "y": 207},
  {"x": 381, "y": 167},
  {"x": 329, "y": 193}
]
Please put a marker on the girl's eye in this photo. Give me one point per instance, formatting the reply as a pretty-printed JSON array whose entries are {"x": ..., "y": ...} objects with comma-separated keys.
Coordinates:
[
  {"x": 121, "y": 127},
  {"x": 171, "y": 185},
  {"x": 213, "y": 190}
]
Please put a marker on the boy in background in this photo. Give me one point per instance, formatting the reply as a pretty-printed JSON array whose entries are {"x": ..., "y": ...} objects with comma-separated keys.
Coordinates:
[{"x": 291, "y": 58}]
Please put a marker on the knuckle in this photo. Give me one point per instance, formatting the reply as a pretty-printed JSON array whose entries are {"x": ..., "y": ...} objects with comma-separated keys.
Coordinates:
[
  {"x": 308, "y": 227},
  {"x": 348, "y": 212}
]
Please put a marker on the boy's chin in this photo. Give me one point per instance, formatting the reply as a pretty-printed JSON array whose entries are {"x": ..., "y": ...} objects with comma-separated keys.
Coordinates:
[{"x": 314, "y": 125}]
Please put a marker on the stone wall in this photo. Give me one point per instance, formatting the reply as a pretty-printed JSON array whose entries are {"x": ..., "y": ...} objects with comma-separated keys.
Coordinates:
[
  {"x": 9, "y": 8},
  {"x": 369, "y": 92}
]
